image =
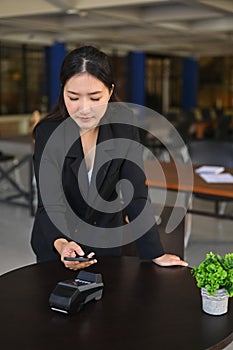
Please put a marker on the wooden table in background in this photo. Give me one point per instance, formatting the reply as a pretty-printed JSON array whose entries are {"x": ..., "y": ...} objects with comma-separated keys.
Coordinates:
[{"x": 168, "y": 179}]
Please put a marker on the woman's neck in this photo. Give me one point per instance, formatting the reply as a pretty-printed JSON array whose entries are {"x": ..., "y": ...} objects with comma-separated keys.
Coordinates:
[{"x": 89, "y": 140}]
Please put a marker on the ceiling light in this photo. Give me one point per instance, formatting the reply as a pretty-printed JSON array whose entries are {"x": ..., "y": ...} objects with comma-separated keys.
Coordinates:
[{"x": 72, "y": 11}]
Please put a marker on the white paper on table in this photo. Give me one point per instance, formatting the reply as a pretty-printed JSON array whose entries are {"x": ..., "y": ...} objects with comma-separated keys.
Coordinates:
[
  {"x": 217, "y": 178},
  {"x": 210, "y": 169}
]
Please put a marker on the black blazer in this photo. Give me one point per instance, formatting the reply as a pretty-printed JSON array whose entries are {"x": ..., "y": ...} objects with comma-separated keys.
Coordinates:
[{"x": 70, "y": 207}]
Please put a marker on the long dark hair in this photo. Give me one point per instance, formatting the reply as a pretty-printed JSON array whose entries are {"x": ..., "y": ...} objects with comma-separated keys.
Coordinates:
[{"x": 84, "y": 59}]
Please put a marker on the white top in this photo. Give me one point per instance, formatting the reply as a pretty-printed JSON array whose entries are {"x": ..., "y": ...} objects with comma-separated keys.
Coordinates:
[{"x": 89, "y": 175}]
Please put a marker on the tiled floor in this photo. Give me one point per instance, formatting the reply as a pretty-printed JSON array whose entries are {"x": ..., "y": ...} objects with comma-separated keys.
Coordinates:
[{"x": 208, "y": 234}]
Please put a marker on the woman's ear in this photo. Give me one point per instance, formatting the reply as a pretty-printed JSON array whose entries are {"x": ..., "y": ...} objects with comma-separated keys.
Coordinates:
[{"x": 111, "y": 90}]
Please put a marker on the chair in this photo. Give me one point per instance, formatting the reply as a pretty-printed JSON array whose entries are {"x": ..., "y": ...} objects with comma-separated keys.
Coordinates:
[
  {"x": 212, "y": 152},
  {"x": 173, "y": 243},
  {"x": 177, "y": 148},
  {"x": 224, "y": 130},
  {"x": 10, "y": 180},
  {"x": 5, "y": 160}
]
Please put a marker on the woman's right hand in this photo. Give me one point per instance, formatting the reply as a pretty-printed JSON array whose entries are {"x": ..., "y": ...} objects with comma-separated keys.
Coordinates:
[{"x": 71, "y": 249}]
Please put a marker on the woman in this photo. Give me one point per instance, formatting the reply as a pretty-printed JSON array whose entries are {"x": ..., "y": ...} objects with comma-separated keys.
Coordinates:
[{"x": 87, "y": 87}]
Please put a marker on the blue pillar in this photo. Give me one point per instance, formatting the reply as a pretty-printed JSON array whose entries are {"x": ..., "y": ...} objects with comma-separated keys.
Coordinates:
[
  {"x": 190, "y": 83},
  {"x": 137, "y": 69},
  {"x": 55, "y": 57}
]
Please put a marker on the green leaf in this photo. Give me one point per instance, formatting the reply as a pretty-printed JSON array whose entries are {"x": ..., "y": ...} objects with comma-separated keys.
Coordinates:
[{"x": 215, "y": 272}]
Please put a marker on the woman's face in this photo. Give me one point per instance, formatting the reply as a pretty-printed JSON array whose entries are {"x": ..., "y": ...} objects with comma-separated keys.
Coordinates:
[{"x": 86, "y": 100}]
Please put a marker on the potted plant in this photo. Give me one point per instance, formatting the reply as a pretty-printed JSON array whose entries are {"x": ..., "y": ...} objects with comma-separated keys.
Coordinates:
[{"x": 214, "y": 276}]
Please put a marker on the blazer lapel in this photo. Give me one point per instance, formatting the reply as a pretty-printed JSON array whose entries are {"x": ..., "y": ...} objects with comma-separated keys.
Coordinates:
[
  {"x": 74, "y": 150},
  {"x": 79, "y": 169},
  {"x": 105, "y": 151}
]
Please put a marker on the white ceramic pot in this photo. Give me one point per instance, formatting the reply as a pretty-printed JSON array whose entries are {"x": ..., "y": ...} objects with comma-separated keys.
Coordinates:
[{"x": 216, "y": 304}]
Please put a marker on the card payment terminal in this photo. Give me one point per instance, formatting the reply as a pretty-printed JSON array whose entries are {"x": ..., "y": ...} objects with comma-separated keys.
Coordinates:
[{"x": 69, "y": 296}]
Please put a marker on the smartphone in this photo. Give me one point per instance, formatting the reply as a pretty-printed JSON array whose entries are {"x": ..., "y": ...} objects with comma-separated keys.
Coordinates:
[{"x": 77, "y": 258}]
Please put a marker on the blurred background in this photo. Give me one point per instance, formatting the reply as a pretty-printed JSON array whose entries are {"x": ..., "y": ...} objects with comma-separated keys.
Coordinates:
[{"x": 173, "y": 56}]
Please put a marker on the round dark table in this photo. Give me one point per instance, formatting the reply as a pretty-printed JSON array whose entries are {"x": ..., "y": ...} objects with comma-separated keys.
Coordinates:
[{"x": 144, "y": 307}]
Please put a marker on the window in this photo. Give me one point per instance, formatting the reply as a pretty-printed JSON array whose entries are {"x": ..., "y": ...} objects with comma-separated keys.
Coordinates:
[{"x": 22, "y": 82}]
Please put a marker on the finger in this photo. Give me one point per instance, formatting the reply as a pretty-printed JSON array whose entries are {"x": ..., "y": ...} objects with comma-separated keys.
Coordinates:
[
  {"x": 179, "y": 262},
  {"x": 73, "y": 246},
  {"x": 183, "y": 263},
  {"x": 88, "y": 263},
  {"x": 85, "y": 264},
  {"x": 79, "y": 251}
]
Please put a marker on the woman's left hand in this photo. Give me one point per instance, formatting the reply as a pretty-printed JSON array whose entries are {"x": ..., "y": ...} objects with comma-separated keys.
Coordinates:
[{"x": 169, "y": 260}]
